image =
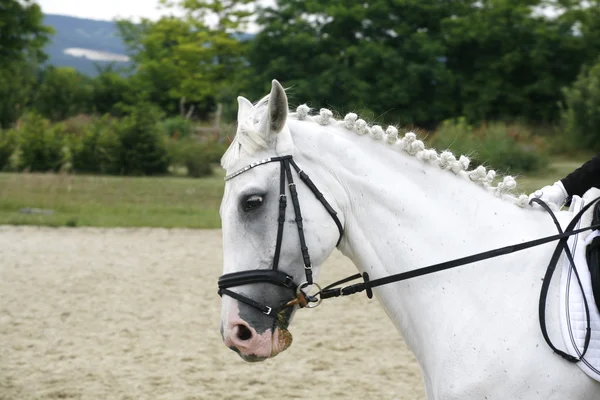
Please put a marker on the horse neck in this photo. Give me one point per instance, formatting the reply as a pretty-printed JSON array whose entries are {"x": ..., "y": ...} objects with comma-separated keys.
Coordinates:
[{"x": 402, "y": 213}]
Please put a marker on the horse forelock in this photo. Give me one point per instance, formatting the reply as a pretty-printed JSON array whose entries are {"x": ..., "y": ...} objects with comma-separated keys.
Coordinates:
[{"x": 249, "y": 139}]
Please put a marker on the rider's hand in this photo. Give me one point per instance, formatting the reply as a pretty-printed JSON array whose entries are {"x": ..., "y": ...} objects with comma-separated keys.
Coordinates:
[{"x": 553, "y": 195}]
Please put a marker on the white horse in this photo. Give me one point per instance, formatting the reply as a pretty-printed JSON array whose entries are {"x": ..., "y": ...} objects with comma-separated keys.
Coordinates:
[{"x": 474, "y": 329}]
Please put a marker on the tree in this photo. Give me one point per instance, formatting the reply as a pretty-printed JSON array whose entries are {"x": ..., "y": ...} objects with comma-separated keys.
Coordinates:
[
  {"x": 62, "y": 93},
  {"x": 580, "y": 117},
  {"x": 379, "y": 56},
  {"x": 17, "y": 80},
  {"x": 22, "y": 39},
  {"x": 143, "y": 148},
  {"x": 583, "y": 18},
  {"x": 186, "y": 57},
  {"x": 110, "y": 91},
  {"x": 508, "y": 61},
  {"x": 22, "y": 33},
  {"x": 422, "y": 61}
]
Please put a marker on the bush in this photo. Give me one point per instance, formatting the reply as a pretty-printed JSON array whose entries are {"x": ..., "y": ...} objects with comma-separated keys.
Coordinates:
[
  {"x": 63, "y": 92},
  {"x": 78, "y": 124},
  {"x": 581, "y": 116},
  {"x": 191, "y": 155},
  {"x": 8, "y": 145},
  {"x": 97, "y": 150},
  {"x": 215, "y": 151},
  {"x": 41, "y": 144},
  {"x": 143, "y": 149},
  {"x": 177, "y": 127},
  {"x": 504, "y": 147},
  {"x": 110, "y": 91},
  {"x": 196, "y": 157}
]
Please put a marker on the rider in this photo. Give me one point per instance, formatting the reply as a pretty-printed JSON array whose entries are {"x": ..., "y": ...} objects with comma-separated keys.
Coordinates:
[{"x": 576, "y": 183}]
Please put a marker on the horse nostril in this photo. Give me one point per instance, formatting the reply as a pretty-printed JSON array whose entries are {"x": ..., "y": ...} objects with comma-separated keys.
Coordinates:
[{"x": 243, "y": 333}]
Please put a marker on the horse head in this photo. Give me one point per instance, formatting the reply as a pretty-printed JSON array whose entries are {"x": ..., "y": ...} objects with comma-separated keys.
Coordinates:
[{"x": 273, "y": 249}]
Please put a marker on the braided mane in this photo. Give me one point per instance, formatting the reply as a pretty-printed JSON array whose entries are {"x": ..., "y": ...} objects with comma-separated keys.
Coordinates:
[{"x": 249, "y": 140}]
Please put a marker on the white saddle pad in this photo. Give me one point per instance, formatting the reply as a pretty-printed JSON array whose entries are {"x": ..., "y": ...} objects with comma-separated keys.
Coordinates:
[{"x": 572, "y": 309}]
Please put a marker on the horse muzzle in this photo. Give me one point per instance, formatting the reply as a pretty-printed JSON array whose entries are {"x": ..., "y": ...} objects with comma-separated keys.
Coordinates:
[{"x": 253, "y": 346}]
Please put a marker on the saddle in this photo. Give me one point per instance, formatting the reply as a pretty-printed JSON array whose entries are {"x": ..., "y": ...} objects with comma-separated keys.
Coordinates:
[
  {"x": 579, "y": 290},
  {"x": 592, "y": 253}
]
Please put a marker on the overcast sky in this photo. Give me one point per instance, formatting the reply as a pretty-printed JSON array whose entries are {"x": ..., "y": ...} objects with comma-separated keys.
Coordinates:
[
  {"x": 130, "y": 9},
  {"x": 108, "y": 9},
  {"x": 102, "y": 9}
]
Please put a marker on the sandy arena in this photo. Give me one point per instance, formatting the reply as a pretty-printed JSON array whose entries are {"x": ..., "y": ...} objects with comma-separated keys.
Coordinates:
[{"x": 134, "y": 314}]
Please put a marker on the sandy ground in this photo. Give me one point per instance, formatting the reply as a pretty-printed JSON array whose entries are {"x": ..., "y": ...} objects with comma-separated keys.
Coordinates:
[{"x": 134, "y": 314}]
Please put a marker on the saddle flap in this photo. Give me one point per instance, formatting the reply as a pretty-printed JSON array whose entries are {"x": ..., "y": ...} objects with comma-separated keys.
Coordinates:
[
  {"x": 575, "y": 289},
  {"x": 592, "y": 253}
]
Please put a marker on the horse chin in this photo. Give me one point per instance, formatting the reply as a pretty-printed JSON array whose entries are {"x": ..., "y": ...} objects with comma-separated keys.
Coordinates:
[{"x": 282, "y": 339}]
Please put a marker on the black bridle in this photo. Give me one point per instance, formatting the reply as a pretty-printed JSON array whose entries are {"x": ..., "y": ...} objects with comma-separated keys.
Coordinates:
[
  {"x": 276, "y": 277},
  {"x": 273, "y": 275}
]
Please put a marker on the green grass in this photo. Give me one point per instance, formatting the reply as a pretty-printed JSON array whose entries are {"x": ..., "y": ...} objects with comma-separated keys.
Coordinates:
[
  {"x": 149, "y": 202},
  {"x": 111, "y": 201},
  {"x": 557, "y": 169}
]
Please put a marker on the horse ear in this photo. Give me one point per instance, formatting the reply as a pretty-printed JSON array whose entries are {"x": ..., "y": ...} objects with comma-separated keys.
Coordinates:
[
  {"x": 244, "y": 108},
  {"x": 278, "y": 108}
]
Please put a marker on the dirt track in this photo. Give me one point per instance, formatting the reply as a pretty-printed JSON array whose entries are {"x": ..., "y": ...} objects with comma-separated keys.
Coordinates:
[{"x": 134, "y": 314}]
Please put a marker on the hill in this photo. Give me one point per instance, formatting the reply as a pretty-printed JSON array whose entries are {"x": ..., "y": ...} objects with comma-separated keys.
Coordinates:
[{"x": 83, "y": 43}]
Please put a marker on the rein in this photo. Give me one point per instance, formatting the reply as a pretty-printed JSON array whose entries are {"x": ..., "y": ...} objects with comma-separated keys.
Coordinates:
[
  {"x": 276, "y": 277},
  {"x": 330, "y": 291},
  {"x": 367, "y": 285}
]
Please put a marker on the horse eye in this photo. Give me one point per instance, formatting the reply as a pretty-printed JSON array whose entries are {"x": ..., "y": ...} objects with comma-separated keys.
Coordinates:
[{"x": 253, "y": 202}]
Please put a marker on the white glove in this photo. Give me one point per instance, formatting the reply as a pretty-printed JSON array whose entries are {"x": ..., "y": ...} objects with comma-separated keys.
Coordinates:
[{"x": 553, "y": 195}]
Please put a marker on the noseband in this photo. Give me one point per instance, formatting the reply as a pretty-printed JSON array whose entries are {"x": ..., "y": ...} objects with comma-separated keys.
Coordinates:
[{"x": 273, "y": 275}]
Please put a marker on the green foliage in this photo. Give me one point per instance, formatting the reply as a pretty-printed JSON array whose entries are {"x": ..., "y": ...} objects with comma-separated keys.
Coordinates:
[
  {"x": 505, "y": 147},
  {"x": 22, "y": 39},
  {"x": 423, "y": 61},
  {"x": 385, "y": 58},
  {"x": 98, "y": 149},
  {"x": 414, "y": 62},
  {"x": 581, "y": 116},
  {"x": 62, "y": 93},
  {"x": 184, "y": 57},
  {"x": 215, "y": 151},
  {"x": 143, "y": 148},
  {"x": 585, "y": 20},
  {"x": 196, "y": 157},
  {"x": 110, "y": 92},
  {"x": 41, "y": 145},
  {"x": 22, "y": 33},
  {"x": 8, "y": 145},
  {"x": 177, "y": 127},
  {"x": 16, "y": 87},
  {"x": 507, "y": 62}
]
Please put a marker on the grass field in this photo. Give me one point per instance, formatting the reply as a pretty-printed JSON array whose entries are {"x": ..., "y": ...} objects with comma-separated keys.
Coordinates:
[
  {"x": 146, "y": 202},
  {"x": 111, "y": 201}
]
